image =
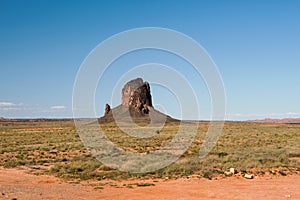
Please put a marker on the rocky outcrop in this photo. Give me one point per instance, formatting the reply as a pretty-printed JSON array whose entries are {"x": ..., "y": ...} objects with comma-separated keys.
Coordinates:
[
  {"x": 107, "y": 109},
  {"x": 129, "y": 88},
  {"x": 136, "y": 106},
  {"x": 136, "y": 94}
]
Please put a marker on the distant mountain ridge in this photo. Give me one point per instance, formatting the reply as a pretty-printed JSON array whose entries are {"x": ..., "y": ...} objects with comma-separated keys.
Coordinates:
[{"x": 270, "y": 120}]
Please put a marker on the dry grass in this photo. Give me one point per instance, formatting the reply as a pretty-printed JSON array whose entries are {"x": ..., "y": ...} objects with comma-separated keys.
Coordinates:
[{"x": 54, "y": 147}]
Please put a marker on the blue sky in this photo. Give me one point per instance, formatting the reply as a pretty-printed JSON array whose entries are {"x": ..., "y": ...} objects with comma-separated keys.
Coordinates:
[{"x": 255, "y": 44}]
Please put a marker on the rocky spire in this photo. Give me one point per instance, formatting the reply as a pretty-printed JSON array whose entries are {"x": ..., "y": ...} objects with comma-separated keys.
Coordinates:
[
  {"x": 136, "y": 94},
  {"x": 107, "y": 109}
]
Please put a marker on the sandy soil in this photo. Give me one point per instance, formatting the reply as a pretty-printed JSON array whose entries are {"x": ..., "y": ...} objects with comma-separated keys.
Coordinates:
[{"x": 15, "y": 183}]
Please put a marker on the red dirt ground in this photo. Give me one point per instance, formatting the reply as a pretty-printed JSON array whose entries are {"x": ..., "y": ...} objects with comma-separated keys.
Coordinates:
[{"x": 16, "y": 183}]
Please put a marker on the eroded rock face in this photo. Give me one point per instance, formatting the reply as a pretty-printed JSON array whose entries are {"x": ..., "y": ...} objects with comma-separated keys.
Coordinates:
[
  {"x": 107, "y": 109},
  {"x": 136, "y": 94},
  {"x": 129, "y": 88}
]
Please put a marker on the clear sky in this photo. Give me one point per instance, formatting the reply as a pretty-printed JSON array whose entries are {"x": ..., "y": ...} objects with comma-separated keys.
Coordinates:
[{"x": 255, "y": 44}]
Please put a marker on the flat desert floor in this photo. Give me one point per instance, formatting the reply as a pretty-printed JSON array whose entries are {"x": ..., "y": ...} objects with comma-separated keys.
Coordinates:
[{"x": 18, "y": 184}]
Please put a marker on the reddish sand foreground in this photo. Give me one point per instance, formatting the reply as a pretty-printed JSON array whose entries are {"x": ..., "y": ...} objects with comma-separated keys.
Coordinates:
[{"x": 18, "y": 184}]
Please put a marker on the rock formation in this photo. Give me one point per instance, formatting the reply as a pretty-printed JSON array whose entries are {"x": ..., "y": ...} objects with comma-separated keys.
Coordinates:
[
  {"x": 129, "y": 88},
  {"x": 136, "y": 95},
  {"x": 107, "y": 109},
  {"x": 136, "y": 104}
]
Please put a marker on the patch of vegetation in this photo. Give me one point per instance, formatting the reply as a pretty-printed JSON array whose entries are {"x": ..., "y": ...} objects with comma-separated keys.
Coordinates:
[
  {"x": 222, "y": 154},
  {"x": 208, "y": 175},
  {"x": 282, "y": 173},
  {"x": 144, "y": 184}
]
